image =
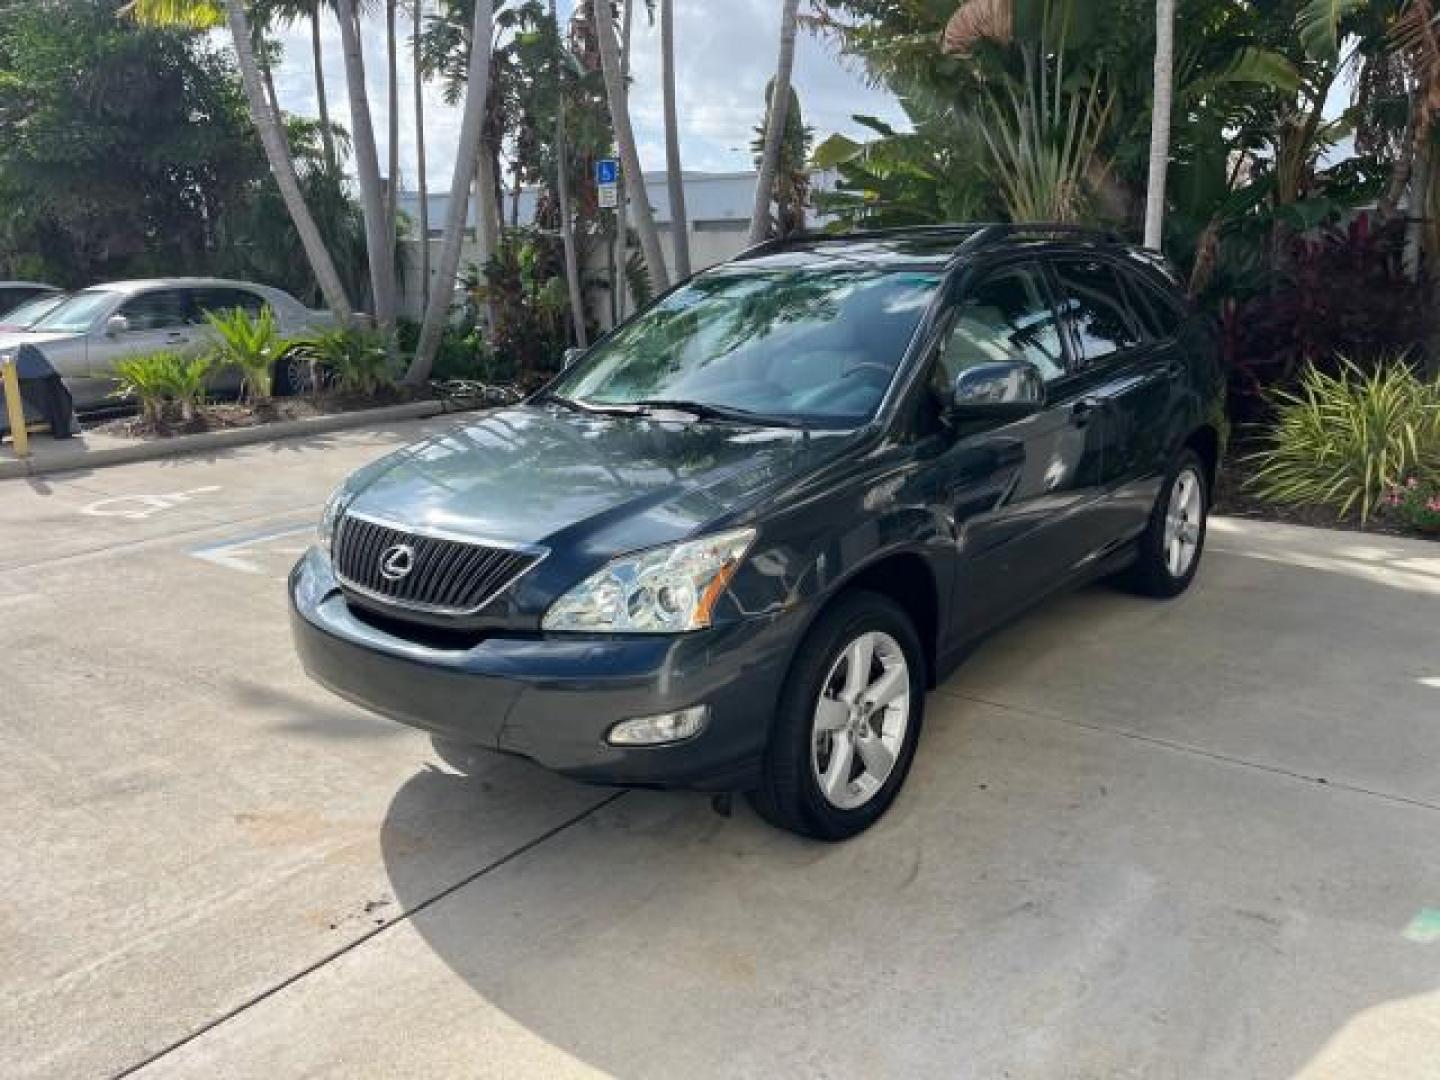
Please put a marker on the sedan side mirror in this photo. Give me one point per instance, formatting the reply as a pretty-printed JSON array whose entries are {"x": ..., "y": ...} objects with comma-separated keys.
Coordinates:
[
  {"x": 567, "y": 360},
  {"x": 116, "y": 324},
  {"x": 1006, "y": 390}
]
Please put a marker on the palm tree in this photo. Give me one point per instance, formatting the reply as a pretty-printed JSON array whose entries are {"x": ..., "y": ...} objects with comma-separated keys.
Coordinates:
[
  {"x": 775, "y": 129},
  {"x": 562, "y": 190},
  {"x": 392, "y": 68},
  {"x": 322, "y": 99},
  {"x": 625, "y": 140},
  {"x": 418, "y": 76},
  {"x": 679, "y": 220},
  {"x": 1160, "y": 109},
  {"x": 268, "y": 125},
  {"x": 379, "y": 239},
  {"x": 472, "y": 121}
]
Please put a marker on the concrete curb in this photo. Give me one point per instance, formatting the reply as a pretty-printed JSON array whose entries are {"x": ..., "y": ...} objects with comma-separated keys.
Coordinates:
[{"x": 179, "y": 445}]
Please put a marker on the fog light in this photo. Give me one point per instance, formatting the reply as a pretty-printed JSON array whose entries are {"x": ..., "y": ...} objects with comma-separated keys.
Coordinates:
[{"x": 663, "y": 728}]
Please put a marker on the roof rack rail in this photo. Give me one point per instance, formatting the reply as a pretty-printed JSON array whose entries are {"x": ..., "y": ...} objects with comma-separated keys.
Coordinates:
[
  {"x": 972, "y": 235},
  {"x": 1009, "y": 230},
  {"x": 959, "y": 230}
]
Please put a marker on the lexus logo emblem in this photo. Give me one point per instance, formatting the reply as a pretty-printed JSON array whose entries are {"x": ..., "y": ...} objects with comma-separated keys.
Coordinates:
[{"x": 397, "y": 561}]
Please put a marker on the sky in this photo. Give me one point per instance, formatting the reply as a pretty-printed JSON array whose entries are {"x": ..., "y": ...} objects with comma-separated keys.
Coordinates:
[{"x": 724, "y": 54}]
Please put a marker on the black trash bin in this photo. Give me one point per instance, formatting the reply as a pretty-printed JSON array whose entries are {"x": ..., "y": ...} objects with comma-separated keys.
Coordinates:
[{"x": 43, "y": 395}]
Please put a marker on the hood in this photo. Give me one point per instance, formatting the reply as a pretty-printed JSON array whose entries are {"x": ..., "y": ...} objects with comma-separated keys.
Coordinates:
[
  {"x": 529, "y": 474},
  {"x": 13, "y": 339}
]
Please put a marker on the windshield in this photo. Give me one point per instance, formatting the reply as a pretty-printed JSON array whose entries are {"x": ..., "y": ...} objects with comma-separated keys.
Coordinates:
[
  {"x": 28, "y": 312},
  {"x": 78, "y": 313},
  {"x": 807, "y": 344}
]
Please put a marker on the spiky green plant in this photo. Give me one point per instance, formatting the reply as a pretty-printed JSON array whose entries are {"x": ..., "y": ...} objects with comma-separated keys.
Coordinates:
[
  {"x": 353, "y": 361},
  {"x": 155, "y": 380},
  {"x": 1344, "y": 440},
  {"x": 251, "y": 343}
]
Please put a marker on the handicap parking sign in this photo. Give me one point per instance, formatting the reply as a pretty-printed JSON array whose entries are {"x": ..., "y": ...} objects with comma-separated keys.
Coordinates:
[{"x": 607, "y": 171}]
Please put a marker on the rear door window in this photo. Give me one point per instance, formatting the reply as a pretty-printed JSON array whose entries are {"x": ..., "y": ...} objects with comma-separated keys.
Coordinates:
[
  {"x": 1093, "y": 302},
  {"x": 222, "y": 301}
]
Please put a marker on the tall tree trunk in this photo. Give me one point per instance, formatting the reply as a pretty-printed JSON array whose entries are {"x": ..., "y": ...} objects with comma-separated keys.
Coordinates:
[
  {"x": 471, "y": 124},
  {"x": 322, "y": 100},
  {"x": 675, "y": 176},
  {"x": 615, "y": 91},
  {"x": 487, "y": 216},
  {"x": 392, "y": 62},
  {"x": 562, "y": 192},
  {"x": 775, "y": 129},
  {"x": 282, "y": 167},
  {"x": 379, "y": 246},
  {"x": 424, "y": 205},
  {"x": 1160, "y": 109}
]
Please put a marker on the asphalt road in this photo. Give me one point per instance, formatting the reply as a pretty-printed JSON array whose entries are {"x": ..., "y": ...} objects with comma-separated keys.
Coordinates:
[{"x": 1194, "y": 839}]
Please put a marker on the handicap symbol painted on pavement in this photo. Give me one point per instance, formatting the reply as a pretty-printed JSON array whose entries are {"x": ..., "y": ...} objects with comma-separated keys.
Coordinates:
[{"x": 140, "y": 507}]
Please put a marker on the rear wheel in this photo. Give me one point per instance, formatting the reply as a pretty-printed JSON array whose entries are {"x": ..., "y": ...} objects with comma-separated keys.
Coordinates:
[
  {"x": 1170, "y": 547},
  {"x": 294, "y": 374},
  {"x": 848, "y": 721}
]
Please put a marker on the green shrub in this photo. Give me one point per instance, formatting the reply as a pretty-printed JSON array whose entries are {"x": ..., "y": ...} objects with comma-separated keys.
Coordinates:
[
  {"x": 250, "y": 343},
  {"x": 1345, "y": 440},
  {"x": 156, "y": 380},
  {"x": 352, "y": 361},
  {"x": 1416, "y": 503}
]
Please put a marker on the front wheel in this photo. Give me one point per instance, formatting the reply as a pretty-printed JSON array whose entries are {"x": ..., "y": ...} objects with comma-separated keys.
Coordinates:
[
  {"x": 1169, "y": 549},
  {"x": 848, "y": 721}
]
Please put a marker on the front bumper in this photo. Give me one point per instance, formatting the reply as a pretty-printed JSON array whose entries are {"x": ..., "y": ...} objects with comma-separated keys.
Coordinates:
[{"x": 553, "y": 698}]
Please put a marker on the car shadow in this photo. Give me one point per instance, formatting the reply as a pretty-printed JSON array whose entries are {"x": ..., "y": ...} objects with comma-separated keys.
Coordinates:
[{"x": 1044, "y": 899}]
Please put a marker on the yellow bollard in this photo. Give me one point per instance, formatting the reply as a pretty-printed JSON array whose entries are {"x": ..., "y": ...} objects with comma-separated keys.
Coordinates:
[{"x": 10, "y": 376}]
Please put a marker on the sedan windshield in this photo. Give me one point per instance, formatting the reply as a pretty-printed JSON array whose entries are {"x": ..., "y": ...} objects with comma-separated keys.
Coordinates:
[
  {"x": 810, "y": 344},
  {"x": 77, "y": 314},
  {"x": 28, "y": 313}
]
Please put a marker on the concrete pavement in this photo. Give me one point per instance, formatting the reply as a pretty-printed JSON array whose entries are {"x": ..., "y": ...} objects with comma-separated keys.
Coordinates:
[{"x": 1190, "y": 839}]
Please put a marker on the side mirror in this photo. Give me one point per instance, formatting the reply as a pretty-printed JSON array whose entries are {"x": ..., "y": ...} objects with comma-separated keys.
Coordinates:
[
  {"x": 567, "y": 360},
  {"x": 116, "y": 324},
  {"x": 1005, "y": 390}
]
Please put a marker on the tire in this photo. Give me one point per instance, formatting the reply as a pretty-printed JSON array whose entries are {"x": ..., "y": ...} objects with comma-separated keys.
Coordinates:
[
  {"x": 791, "y": 794},
  {"x": 292, "y": 375},
  {"x": 1186, "y": 492}
]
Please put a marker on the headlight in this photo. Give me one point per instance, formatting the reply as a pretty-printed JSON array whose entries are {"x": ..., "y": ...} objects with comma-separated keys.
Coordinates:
[
  {"x": 335, "y": 506},
  {"x": 665, "y": 590}
]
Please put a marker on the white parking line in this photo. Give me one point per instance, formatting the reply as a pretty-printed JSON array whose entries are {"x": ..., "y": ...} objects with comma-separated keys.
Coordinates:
[{"x": 238, "y": 553}]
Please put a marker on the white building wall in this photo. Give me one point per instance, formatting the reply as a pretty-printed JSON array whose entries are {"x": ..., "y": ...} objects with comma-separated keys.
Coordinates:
[{"x": 717, "y": 205}]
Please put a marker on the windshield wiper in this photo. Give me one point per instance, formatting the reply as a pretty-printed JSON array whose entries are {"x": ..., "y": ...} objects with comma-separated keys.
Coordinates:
[
  {"x": 587, "y": 407},
  {"x": 705, "y": 411}
]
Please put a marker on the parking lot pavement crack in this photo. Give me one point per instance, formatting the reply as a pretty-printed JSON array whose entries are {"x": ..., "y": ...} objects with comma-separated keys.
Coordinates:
[
  {"x": 1197, "y": 751},
  {"x": 370, "y": 935}
]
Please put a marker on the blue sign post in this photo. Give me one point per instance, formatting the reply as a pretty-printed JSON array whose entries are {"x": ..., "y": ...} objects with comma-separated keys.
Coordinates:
[{"x": 607, "y": 183}]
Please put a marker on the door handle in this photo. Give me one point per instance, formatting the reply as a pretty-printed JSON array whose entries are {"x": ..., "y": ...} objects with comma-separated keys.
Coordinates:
[{"x": 1084, "y": 410}]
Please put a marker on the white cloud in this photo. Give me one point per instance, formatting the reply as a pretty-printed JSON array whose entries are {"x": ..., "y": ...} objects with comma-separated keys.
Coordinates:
[{"x": 724, "y": 55}]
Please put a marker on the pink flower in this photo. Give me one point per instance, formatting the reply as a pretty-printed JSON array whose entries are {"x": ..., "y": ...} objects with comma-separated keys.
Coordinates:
[{"x": 1433, "y": 505}]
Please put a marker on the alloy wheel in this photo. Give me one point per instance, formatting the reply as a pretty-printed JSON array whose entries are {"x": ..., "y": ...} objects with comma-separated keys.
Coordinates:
[
  {"x": 860, "y": 720},
  {"x": 1183, "y": 520}
]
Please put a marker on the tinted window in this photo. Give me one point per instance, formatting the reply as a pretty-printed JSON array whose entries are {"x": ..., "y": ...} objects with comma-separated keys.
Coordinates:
[
  {"x": 224, "y": 301},
  {"x": 811, "y": 342},
  {"x": 1006, "y": 317},
  {"x": 158, "y": 310},
  {"x": 1092, "y": 299},
  {"x": 1163, "y": 314}
]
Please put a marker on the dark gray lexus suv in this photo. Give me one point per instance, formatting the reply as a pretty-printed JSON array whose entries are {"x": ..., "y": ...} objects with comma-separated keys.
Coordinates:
[{"x": 733, "y": 544}]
